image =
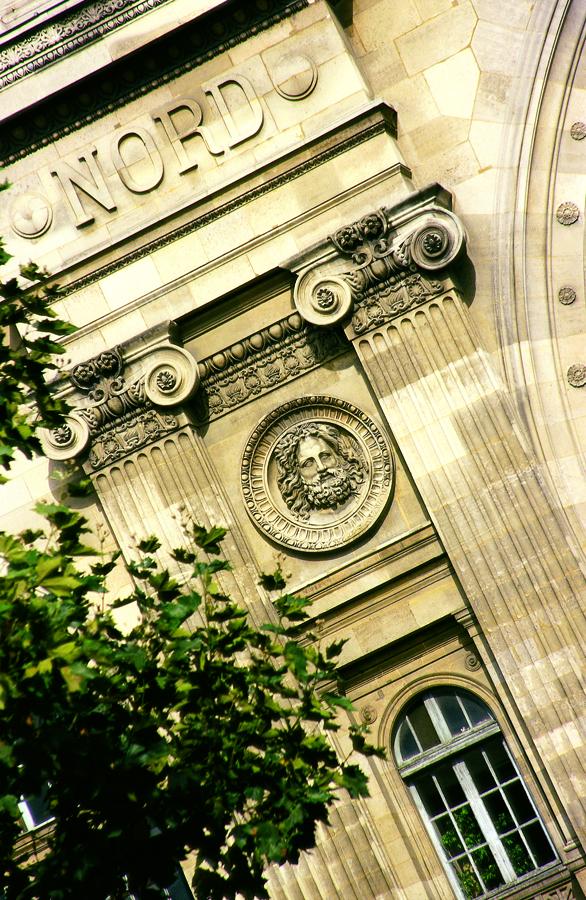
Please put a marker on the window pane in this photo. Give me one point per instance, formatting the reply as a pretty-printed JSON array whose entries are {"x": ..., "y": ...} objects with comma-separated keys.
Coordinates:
[
  {"x": 486, "y": 865},
  {"x": 452, "y": 713},
  {"x": 539, "y": 844},
  {"x": 519, "y": 801},
  {"x": 469, "y": 829},
  {"x": 479, "y": 771},
  {"x": 499, "y": 760},
  {"x": 449, "y": 785},
  {"x": 517, "y": 853},
  {"x": 477, "y": 711},
  {"x": 498, "y": 812},
  {"x": 468, "y": 881},
  {"x": 38, "y": 807},
  {"x": 407, "y": 743},
  {"x": 423, "y": 727},
  {"x": 448, "y": 836},
  {"x": 430, "y": 797}
]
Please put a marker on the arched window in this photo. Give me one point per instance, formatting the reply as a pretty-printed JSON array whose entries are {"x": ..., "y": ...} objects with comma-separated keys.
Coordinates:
[{"x": 467, "y": 788}]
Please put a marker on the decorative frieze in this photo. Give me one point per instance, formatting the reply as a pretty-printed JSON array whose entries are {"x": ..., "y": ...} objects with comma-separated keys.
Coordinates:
[
  {"x": 121, "y": 412},
  {"x": 261, "y": 362}
]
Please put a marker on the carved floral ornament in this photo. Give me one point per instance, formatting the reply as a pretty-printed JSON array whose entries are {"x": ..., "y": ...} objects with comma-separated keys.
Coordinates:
[
  {"x": 122, "y": 411},
  {"x": 317, "y": 474},
  {"x": 393, "y": 268}
]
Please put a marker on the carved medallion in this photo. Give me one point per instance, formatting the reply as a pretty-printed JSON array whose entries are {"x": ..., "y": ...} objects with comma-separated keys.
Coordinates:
[
  {"x": 566, "y": 295},
  {"x": 317, "y": 474},
  {"x": 577, "y": 375},
  {"x": 567, "y": 213}
]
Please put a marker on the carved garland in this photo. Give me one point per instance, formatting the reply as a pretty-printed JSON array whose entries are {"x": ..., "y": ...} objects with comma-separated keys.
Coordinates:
[{"x": 262, "y": 362}]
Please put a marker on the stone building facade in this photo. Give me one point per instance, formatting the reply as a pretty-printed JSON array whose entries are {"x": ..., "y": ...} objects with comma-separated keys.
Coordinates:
[{"x": 327, "y": 264}]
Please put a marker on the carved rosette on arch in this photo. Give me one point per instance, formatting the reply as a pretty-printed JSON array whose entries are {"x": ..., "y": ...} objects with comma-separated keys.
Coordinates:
[
  {"x": 396, "y": 265},
  {"x": 119, "y": 411},
  {"x": 317, "y": 474}
]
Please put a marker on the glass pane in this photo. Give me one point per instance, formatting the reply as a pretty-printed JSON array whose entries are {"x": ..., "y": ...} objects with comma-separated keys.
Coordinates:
[
  {"x": 517, "y": 853},
  {"x": 468, "y": 881},
  {"x": 430, "y": 797},
  {"x": 539, "y": 844},
  {"x": 38, "y": 807},
  {"x": 449, "y": 785},
  {"x": 469, "y": 828},
  {"x": 407, "y": 743},
  {"x": 500, "y": 760},
  {"x": 448, "y": 836},
  {"x": 479, "y": 771},
  {"x": 519, "y": 801},
  {"x": 452, "y": 713},
  {"x": 423, "y": 727},
  {"x": 477, "y": 711},
  {"x": 498, "y": 812},
  {"x": 486, "y": 865}
]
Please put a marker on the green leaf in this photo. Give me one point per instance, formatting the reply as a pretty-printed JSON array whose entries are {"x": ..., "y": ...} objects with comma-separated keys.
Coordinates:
[
  {"x": 209, "y": 540},
  {"x": 273, "y": 581},
  {"x": 73, "y": 681},
  {"x": 149, "y": 545}
]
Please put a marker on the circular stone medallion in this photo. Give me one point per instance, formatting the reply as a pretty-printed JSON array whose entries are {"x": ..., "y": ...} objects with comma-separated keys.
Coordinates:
[{"x": 317, "y": 474}]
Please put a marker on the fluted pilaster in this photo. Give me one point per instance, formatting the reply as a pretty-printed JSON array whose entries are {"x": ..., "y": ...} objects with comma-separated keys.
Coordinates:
[{"x": 465, "y": 448}]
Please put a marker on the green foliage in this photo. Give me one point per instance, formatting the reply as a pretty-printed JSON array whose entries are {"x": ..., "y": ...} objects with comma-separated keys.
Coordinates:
[
  {"x": 186, "y": 733},
  {"x": 192, "y": 732},
  {"x": 27, "y": 350}
]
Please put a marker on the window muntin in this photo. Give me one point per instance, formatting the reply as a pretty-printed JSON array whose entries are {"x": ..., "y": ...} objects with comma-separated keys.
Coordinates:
[{"x": 469, "y": 792}]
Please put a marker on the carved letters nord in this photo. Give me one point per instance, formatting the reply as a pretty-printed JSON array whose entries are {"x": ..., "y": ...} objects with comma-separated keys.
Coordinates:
[{"x": 176, "y": 123}]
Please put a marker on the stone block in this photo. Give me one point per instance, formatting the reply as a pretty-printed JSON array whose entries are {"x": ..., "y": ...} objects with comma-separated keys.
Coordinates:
[
  {"x": 379, "y": 24},
  {"x": 453, "y": 84},
  {"x": 438, "y": 38},
  {"x": 497, "y": 47}
]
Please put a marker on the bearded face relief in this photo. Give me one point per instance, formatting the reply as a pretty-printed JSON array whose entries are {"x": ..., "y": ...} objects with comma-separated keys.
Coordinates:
[
  {"x": 317, "y": 474},
  {"x": 318, "y": 468}
]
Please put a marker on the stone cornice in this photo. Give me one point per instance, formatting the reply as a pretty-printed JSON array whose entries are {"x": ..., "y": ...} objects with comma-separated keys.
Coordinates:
[
  {"x": 126, "y": 80},
  {"x": 389, "y": 261},
  {"x": 64, "y": 33}
]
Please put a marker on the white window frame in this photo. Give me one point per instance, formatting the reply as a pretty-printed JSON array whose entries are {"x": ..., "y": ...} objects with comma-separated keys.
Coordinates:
[{"x": 450, "y": 746}]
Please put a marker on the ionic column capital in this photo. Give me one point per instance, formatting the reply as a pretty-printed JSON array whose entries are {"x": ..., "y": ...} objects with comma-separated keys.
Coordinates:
[
  {"x": 122, "y": 399},
  {"x": 389, "y": 261}
]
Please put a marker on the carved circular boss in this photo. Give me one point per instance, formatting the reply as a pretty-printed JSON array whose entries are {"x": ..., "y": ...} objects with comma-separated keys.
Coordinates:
[{"x": 317, "y": 474}]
